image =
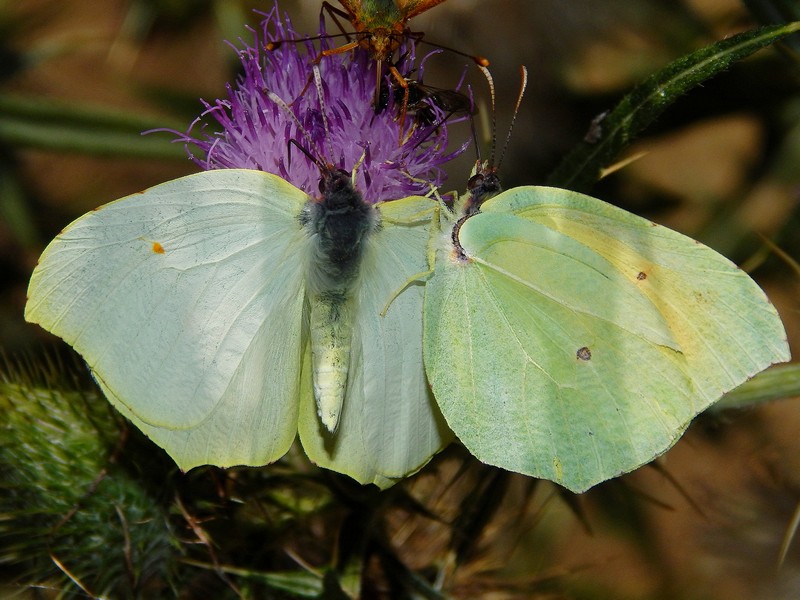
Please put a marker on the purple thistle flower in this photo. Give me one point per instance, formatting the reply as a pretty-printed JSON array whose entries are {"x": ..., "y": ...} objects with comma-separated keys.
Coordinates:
[{"x": 256, "y": 129}]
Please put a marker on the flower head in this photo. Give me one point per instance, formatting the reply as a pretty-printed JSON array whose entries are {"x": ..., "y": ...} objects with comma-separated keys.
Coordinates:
[{"x": 275, "y": 100}]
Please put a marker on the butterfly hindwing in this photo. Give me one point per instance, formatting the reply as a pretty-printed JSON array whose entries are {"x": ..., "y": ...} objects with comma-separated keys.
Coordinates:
[{"x": 390, "y": 426}]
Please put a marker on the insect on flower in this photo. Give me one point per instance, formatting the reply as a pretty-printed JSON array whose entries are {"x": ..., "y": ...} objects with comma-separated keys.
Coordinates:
[
  {"x": 381, "y": 26},
  {"x": 424, "y": 100},
  {"x": 248, "y": 130}
]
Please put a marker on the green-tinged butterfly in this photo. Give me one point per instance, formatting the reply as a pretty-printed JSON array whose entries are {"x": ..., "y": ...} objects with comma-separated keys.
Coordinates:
[
  {"x": 570, "y": 340},
  {"x": 200, "y": 305}
]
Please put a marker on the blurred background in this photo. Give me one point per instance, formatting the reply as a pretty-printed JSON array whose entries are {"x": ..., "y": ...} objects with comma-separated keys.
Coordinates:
[{"x": 79, "y": 80}]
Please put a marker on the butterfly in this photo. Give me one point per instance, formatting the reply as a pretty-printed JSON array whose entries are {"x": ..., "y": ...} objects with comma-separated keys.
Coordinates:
[
  {"x": 225, "y": 311},
  {"x": 570, "y": 340}
]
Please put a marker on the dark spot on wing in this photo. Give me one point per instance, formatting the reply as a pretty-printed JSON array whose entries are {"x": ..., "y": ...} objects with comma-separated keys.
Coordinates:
[
  {"x": 584, "y": 353},
  {"x": 641, "y": 276}
]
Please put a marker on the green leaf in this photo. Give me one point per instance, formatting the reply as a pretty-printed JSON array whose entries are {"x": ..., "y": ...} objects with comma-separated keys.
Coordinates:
[
  {"x": 67, "y": 127},
  {"x": 773, "y": 12},
  {"x": 583, "y": 166},
  {"x": 776, "y": 383},
  {"x": 14, "y": 209}
]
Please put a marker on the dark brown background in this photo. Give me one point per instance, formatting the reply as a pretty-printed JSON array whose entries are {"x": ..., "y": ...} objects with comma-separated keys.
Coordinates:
[{"x": 721, "y": 165}]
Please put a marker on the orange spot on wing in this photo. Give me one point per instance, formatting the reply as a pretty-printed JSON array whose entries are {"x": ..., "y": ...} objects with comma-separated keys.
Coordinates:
[{"x": 158, "y": 248}]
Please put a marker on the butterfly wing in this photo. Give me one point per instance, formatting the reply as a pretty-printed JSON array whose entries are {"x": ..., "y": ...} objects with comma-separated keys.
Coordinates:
[
  {"x": 186, "y": 302},
  {"x": 578, "y": 341},
  {"x": 389, "y": 426}
]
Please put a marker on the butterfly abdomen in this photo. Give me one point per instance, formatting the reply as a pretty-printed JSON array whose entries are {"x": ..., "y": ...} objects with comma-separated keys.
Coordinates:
[
  {"x": 331, "y": 334},
  {"x": 339, "y": 224}
]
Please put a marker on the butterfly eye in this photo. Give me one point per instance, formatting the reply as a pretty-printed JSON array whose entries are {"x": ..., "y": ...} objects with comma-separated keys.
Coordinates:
[
  {"x": 475, "y": 181},
  {"x": 491, "y": 183}
]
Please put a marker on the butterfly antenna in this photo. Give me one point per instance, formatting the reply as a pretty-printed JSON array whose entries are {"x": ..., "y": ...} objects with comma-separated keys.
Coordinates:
[
  {"x": 523, "y": 84},
  {"x": 293, "y": 142},
  {"x": 475, "y": 137},
  {"x": 490, "y": 81},
  {"x": 321, "y": 96},
  {"x": 286, "y": 109},
  {"x": 356, "y": 166}
]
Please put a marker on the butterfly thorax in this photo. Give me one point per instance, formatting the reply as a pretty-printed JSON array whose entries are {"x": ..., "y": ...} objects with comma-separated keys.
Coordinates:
[
  {"x": 339, "y": 224},
  {"x": 483, "y": 185}
]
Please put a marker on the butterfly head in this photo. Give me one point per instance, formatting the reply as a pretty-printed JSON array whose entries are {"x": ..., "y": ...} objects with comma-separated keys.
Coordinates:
[{"x": 483, "y": 184}]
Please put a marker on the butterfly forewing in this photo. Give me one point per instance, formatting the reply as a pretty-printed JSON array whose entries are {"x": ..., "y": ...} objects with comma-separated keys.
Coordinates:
[{"x": 186, "y": 302}]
